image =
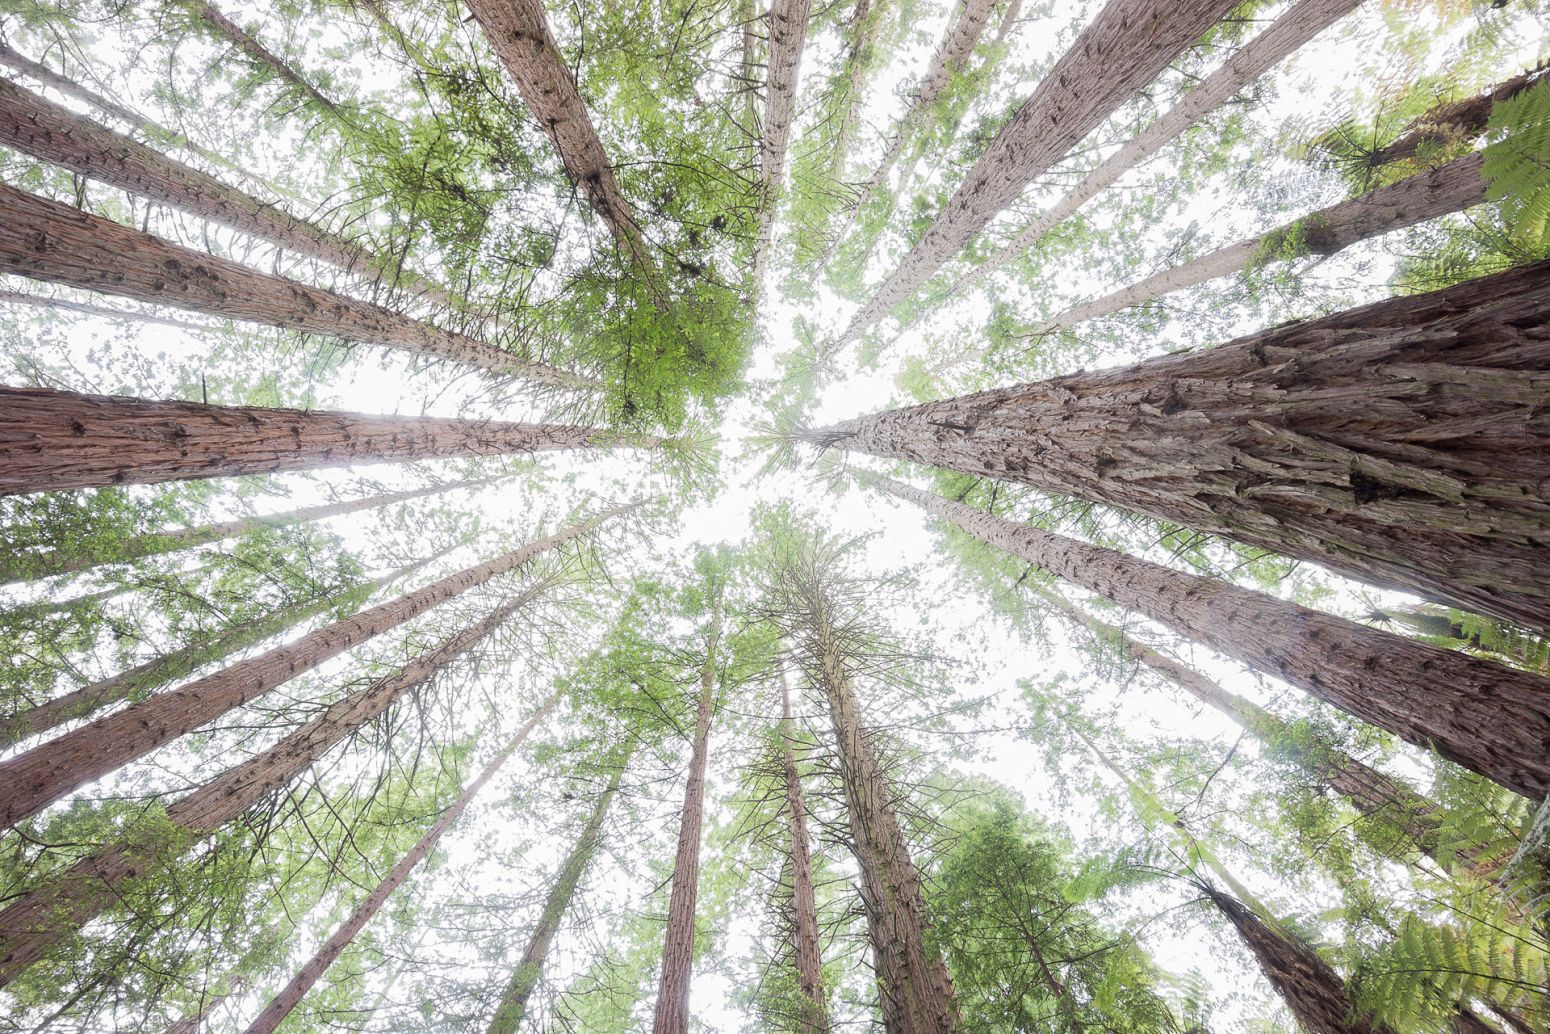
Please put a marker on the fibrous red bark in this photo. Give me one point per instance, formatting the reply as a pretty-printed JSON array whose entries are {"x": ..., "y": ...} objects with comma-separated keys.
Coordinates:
[
  {"x": 32, "y": 781},
  {"x": 53, "y": 440},
  {"x": 291, "y": 995},
  {"x": 46, "y": 240},
  {"x": 35, "y": 921},
  {"x": 1129, "y": 43},
  {"x": 1490, "y": 719},
  {"x": 672, "y": 1009},
  {"x": 1405, "y": 444}
]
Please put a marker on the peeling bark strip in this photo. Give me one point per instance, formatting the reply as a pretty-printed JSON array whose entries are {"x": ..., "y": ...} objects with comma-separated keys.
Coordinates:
[
  {"x": 524, "y": 980},
  {"x": 1454, "y": 120},
  {"x": 1310, "y": 988},
  {"x": 788, "y": 33},
  {"x": 672, "y": 1011},
  {"x": 46, "y": 773},
  {"x": 1129, "y": 43},
  {"x": 283, "y": 1003},
  {"x": 36, "y": 921},
  {"x": 54, "y": 440},
  {"x": 46, "y": 240},
  {"x": 18, "y": 566},
  {"x": 519, "y": 32},
  {"x": 1490, "y": 719},
  {"x": 804, "y": 899},
  {"x": 1283, "y": 37},
  {"x": 1405, "y": 444},
  {"x": 1437, "y": 192},
  {"x": 52, "y": 133}
]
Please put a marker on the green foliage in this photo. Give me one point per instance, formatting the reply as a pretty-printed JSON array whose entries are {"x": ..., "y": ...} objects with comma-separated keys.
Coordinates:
[{"x": 1516, "y": 165}]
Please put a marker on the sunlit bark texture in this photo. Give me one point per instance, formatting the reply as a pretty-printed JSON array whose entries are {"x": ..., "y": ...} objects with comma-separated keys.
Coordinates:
[
  {"x": 1405, "y": 444},
  {"x": 41, "y": 918},
  {"x": 672, "y": 1011},
  {"x": 46, "y": 773},
  {"x": 52, "y": 440},
  {"x": 1488, "y": 718},
  {"x": 1124, "y": 48},
  {"x": 45, "y": 240},
  {"x": 291, "y": 995}
]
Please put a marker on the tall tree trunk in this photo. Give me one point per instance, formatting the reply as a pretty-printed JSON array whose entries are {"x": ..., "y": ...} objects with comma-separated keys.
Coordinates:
[
  {"x": 1129, "y": 43},
  {"x": 43, "y": 301},
  {"x": 1455, "y": 120},
  {"x": 32, "y": 781},
  {"x": 19, "y": 566},
  {"x": 47, "y": 240},
  {"x": 788, "y": 34},
  {"x": 1436, "y": 192},
  {"x": 262, "y": 56},
  {"x": 33, "y": 922},
  {"x": 1288, "y": 33},
  {"x": 1490, "y": 719},
  {"x": 806, "y": 951},
  {"x": 283, "y": 1003},
  {"x": 512, "y": 1009},
  {"x": 672, "y": 1011},
  {"x": 194, "y": 1021},
  {"x": 1371, "y": 792},
  {"x": 53, "y": 440},
  {"x": 1314, "y": 992},
  {"x": 865, "y": 19},
  {"x": 56, "y": 134},
  {"x": 518, "y": 31},
  {"x": 1405, "y": 444}
]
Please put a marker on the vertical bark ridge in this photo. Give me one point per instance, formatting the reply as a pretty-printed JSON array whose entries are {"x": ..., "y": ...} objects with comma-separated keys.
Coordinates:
[
  {"x": 37, "y": 778},
  {"x": 512, "y": 1009},
  {"x": 54, "y": 440},
  {"x": 1129, "y": 43},
  {"x": 788, "y": 34},
  {"x": 1487, "y": 718},
  {"x": 1405, "y": 444},
  {"x": 291, "y": 995},
  {"x": 34, "y": 922},
  {"x": 806, "y": 949},
  {"x": 672, "y": 1009},
  {"x": 47, "y": 240}
]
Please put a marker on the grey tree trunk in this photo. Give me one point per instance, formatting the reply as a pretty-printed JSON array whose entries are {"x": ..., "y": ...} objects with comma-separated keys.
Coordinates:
[{"x": 788, "y": 34}]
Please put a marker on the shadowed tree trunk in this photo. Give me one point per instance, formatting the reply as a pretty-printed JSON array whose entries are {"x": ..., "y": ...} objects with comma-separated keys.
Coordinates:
[
  {"x": 1490, "y": 719},
  {"x": 47, "y": 240},
  {"x": 47, "y": 131},
  {"x": 518, "y": 31},
  {"x": 32, "y": 781},
  {"x": 524, "y": 980},
  {"x": 1454, "y": 120},
  {"x": 261, "y": 55},
  {"x": 1128, "y": 44},
  {"x": 34, "y": 922},
  {"x": 672, "y": 1010},
  {"x": 1436, "y": 192},
  {"x": 804, "y": 899},
  {"x": 283, "y": 1003},
  {"x": 19, "y": 566},
  {"x": 788, "y": 33},
  {"x": 53, "y": 440},
  {"x": 1404, "y": 444},
  {"x": 1283, "y": 37}
]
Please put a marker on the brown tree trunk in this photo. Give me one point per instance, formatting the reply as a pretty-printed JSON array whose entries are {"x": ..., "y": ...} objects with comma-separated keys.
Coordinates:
[
  {"x": 806, "y": 951},
  {"x": 261, "y": 55},
  {"x": 518, "y": 31},
  {"x": 52, "y": 133},
  {"x": 1129, "y": 43},
  {"x": 1490, "y": 719},
  {"x": 33, "y": 922},
  {"x": 1288, "y": 33},
  {"x": 195, "y": 1021},
  {"x": 53, "y": 440},
  {"x": 1310, "y": 988},
  {"x": 50, "y": 241},
  {"x": 672, "y": 1011},
  {"x": 1454, "y": 120},
  {"x": 788, "y": 33},
  {"x": 21, "y": 566},
  {"x": 1436, "y": 192},
  {"x": 283, "y": 1003},
  {"x": 32, "y": 781},
  {"x": 524, "y": 980},
  {"x": 1404, "y": 444}
]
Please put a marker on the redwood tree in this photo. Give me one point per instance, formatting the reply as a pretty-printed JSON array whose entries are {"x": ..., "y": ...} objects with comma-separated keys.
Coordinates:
[
  {"x": 806, "y": 951},
  {"x": 788, "y": 33}
]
